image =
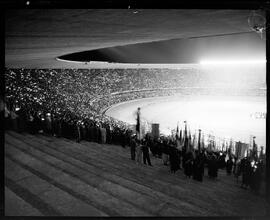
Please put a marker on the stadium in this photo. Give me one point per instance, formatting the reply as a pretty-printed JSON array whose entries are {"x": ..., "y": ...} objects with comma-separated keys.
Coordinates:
[{"x": 131, "y": 126}]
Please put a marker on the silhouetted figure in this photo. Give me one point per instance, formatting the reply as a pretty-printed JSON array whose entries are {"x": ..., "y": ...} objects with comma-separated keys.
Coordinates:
[
  {"x": 48, "y": 123},
  {"x": 188, "y": 164},
  {"x": 14, "y": 120},
  {"x": 229, "y": 165},
  {"x": 237, "y": 169},
  {"x": 256, "y": 177},
  {"x": 139, "y": 152},
  {"x": 173, "y": 157},
  {"x": 133, "y": 146},
  {"x": 30, "y": 123},
  {"x": 146, "y": 156},
  {"x": 78, "y": 131},
  {"x": 212, "y": 167},
  {"x": 165, "y": 153},
  {"x": 198, "y": 167},
  {"x": 246, "y": 173}
]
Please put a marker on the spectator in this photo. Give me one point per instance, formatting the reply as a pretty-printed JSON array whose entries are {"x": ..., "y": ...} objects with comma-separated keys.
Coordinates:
[{"x": 145, "y": 150}]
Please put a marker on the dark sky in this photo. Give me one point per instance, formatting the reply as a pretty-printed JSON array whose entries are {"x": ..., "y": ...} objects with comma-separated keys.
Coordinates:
[{"x": 235, "y": 46}]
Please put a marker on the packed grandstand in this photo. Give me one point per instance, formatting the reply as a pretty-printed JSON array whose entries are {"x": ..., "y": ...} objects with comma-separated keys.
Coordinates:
[{"x": 87, "y": 93}]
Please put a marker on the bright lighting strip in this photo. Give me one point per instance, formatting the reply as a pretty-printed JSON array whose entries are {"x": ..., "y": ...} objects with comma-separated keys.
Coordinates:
[{"x": 231, "y": 62}]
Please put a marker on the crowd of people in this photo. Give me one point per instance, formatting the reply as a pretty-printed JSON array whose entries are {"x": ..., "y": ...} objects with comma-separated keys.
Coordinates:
[
  {"x": 69, "y": 125},
  {"x": 194, "y": 162},
  {"x": 88, "y": 91},
  {"x": 70, "y": 104}
]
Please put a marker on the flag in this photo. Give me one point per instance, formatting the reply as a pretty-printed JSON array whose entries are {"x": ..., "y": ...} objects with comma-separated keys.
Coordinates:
[
  {"x": 230, "y": 147},
  {"x": 203, "y": 144},
  {"x": 185, "y": 138},
  {"x": 194, "y": 141},
  {"x": 227, "y": 157},
  {"x": 254, "y": 148},
  {"x": 238, "y": 146},
  {"x": 185, "y": 129},
  {"x": 223, "y": 146},
  {"x": 261, "y": 153},
  {"x": 180, "y": 136},
  {"x": 244, "y": 150},
  {"x": 177, "y": 131},
  {"x": 190, "y": 146},
  {"x": 178, "y": 144},
  {"x": 199, "y": 140}
]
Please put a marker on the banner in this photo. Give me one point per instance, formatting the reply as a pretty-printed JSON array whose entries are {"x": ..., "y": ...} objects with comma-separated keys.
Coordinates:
[
  {"x": 240, "y": 149},
  {"x": 155, "y": 131}
]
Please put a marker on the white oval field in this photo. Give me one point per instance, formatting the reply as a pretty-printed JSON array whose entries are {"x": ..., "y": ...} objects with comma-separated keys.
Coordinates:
[{"x": 222, "y": 116}]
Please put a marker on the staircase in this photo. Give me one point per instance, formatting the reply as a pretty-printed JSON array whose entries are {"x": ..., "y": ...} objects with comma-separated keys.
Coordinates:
[{"x": 49, "y": 176}]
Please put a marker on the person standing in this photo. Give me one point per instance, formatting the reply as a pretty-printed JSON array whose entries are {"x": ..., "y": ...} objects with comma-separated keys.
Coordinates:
[
  {"x": 237, "y": 169},
  {"x": 139, "y": 152},
  {"x": 91, "y": 131},
  {"x": 173, "y": 157},
  {"x": 133, "y": 146},
  {"x": 198, "y": 167},
  {"x": 78, "y": 131},
  {"x": 108, "y": 133},
  {"x": 213, "y": 166},
  {"x": 7, "y": 117},
  {"x": 188, "y": 164},
  {"x": 229, "y": 165},
  {"x": 48, "y": 123},
  {"x": 165, "y": 152},
  {"x": 138, "y": 123},
  {"x": 30, "y": 122},
  {"x": 258, "y": 172},
  {"x": 246, "y": 173},
  {"x": 146, "y": 156},
  {"x": 103, "y": 135},
  {"x": 60, "y": 123},
  {"x": 14, "y": 120}
]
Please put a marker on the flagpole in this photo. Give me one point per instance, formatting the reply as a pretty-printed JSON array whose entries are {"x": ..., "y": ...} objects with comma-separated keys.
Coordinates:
[
  {"x": 199, "y": 141},
  {"x": 185, "y": 138},
  {"x": 254, "y": 149}
]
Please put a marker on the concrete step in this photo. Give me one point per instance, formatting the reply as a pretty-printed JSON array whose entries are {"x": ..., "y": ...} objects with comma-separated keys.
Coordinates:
[
  {"x": 74, "y": 186},
  {"x": 152, "y": 204},
  {"x": 124, "y": 154},
  {"x": 93, "y": 163},
  {"x": 114, "y": 189},
  {"x": 23, "y": 208},
  {"x": 167, "y": 179},
  {"x": 174, "y": 190},
  {"x": 187, "y": 195},
  {"x": 45, "y": 197}
]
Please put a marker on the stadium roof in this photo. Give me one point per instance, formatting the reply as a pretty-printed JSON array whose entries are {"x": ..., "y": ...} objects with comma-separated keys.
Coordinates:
[{"x": 35, "y": 38}]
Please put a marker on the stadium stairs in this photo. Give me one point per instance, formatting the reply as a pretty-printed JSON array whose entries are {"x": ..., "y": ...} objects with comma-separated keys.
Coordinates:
[{"x": 49, "y": 176}]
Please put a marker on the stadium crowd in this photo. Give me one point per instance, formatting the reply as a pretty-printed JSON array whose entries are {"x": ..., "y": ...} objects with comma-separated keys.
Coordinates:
[{"x": 70, "y": 103}]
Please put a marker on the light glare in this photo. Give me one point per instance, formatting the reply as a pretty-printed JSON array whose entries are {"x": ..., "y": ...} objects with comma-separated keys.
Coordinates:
[{"x": 231, "y": 62}]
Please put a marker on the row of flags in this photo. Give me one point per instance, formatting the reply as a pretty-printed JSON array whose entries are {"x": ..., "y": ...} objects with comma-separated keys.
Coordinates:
[
  {"x": 190, "y": 142},
  {"x": 185, "y": 140}
]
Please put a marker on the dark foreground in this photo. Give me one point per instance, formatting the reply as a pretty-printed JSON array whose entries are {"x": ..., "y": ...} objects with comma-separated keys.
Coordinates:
[{"x": 59, "y": 177}]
